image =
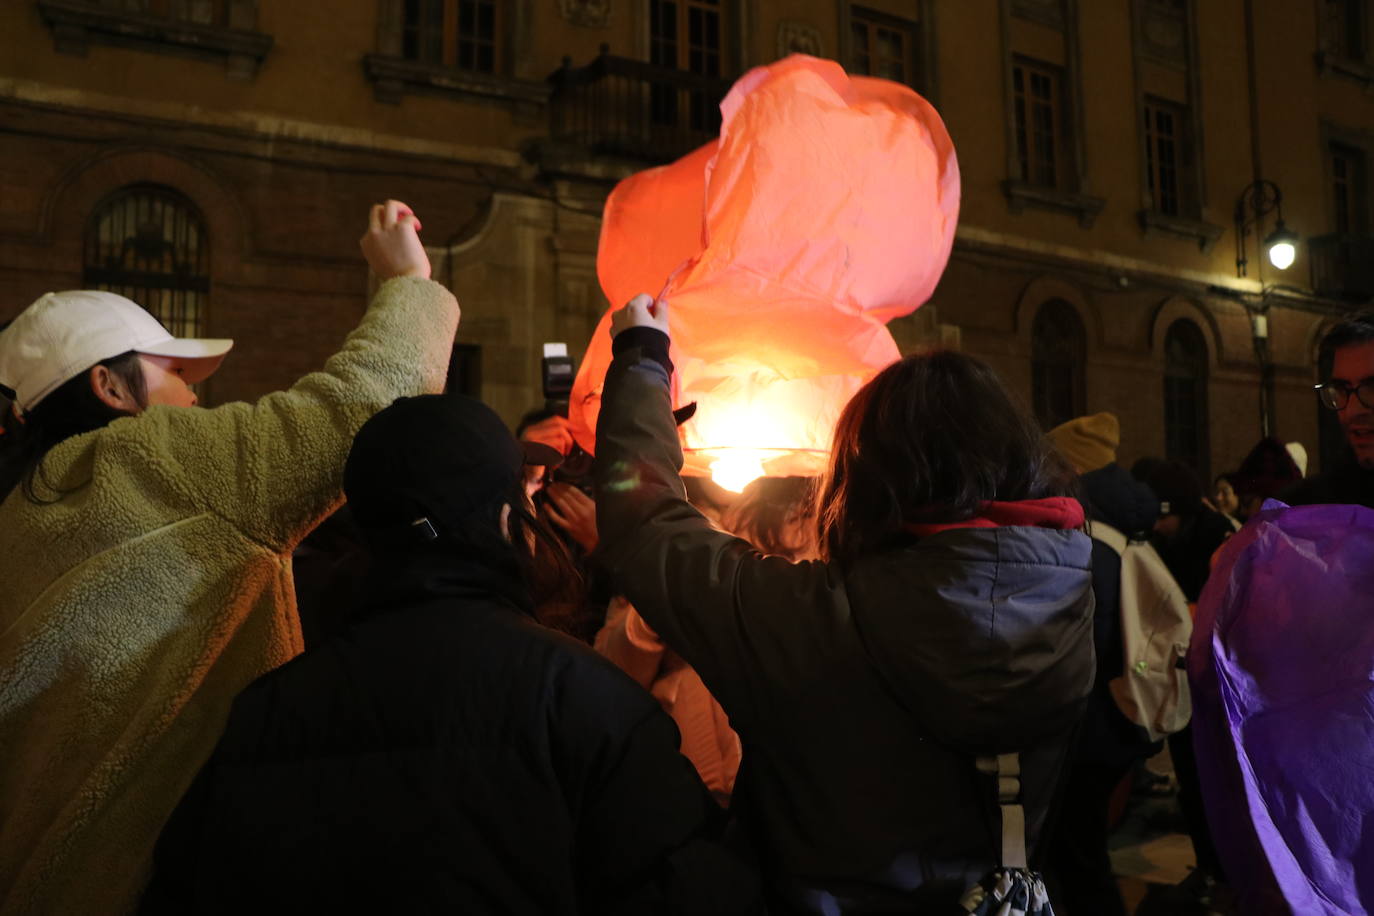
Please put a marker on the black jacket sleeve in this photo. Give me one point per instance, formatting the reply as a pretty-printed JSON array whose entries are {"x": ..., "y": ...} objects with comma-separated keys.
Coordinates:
[
  {"x": 749, "y": 624},
  {"x": 648, "y": 831}
]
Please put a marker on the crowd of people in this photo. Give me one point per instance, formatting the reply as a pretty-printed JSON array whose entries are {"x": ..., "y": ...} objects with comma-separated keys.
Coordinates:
[{"x": 906, "y": 686}]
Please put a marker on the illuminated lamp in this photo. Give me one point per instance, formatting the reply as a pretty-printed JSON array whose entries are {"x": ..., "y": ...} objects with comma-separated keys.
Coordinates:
[{"x": 1282, "y": 246}]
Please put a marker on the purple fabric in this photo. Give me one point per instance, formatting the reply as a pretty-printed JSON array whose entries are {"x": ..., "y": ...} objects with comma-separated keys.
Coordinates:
[{"x": 1282, "y": 673}]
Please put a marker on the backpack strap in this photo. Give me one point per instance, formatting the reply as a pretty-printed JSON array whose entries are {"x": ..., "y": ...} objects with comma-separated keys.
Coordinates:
[
  {"x": 1116, "y": 540},
  {"x": 1007, "y": 769}
]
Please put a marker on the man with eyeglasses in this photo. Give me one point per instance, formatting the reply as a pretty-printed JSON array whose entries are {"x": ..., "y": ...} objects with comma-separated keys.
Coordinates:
[{"x": 1349, "y": 347}]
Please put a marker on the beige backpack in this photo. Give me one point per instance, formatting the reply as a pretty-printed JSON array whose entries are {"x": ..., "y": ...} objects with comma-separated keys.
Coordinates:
[{"x": 1156, "y": 625}]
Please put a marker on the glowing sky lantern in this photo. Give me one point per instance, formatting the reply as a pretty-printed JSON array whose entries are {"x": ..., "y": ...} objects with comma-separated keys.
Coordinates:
[{"x": 826, "y": 209}]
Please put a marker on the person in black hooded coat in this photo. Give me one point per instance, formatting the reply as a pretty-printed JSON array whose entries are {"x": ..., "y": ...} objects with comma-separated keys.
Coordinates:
[
  {"x": 447, "y": 753},
  {"x": 951, "y": 620},
  {"x": 1108, "y": 743}
]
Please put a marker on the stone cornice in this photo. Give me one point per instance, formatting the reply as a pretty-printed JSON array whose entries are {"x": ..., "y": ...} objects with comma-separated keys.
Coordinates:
[{"x": 78, "y": 23}]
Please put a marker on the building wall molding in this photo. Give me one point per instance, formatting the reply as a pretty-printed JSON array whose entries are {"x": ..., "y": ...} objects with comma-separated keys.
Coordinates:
[
  {"x": 257, "y": 125},
  {"x": 1334, "y": 65},
  {"x": 76, "y": 24},
  {"x": 1020, "y": 194},
  {"x": 394, "y": 77},
  {"x": 1200, "y": 232},
  {"x": 1118, "y": 267}
]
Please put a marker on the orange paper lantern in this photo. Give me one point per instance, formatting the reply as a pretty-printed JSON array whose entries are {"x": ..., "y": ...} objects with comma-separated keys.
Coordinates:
[{"x": 826, "y": 208}]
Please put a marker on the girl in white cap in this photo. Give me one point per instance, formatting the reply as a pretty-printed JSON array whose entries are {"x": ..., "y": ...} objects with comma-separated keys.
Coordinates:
[{"x": 147, "y": 556}]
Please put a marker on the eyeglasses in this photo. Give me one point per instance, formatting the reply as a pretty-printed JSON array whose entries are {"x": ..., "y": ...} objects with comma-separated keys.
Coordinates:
[{"x": 1337, "y": 394}]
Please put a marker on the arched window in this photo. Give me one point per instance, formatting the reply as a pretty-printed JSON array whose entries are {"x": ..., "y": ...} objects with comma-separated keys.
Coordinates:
[
  {"x": 1185, "y": 397},
  {"x": 1059, "y": 351},
  {"x": 148, "y": 243}
]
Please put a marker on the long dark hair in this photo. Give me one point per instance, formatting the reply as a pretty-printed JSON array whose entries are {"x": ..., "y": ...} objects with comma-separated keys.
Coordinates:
[
  {"x": 546, "y": 564},
  {"x": 70, "y": 410},
  {"x": 931, "y": 438},
  {"x": 776, "y": 515}
]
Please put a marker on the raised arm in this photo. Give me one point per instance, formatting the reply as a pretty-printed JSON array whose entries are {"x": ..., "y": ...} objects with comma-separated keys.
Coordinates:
[
  {"x": 739, "y": 618},
  {"x": 274, "y": 468}
]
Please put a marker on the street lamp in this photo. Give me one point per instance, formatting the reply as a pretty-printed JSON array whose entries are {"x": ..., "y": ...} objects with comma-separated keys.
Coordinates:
[
  {"x": 1258, "y": 200},
  {"x": 1282, "y": 245}
]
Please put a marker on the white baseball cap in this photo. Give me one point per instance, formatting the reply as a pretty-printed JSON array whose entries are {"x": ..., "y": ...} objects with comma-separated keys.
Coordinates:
[{"x": 63, "y": 334}]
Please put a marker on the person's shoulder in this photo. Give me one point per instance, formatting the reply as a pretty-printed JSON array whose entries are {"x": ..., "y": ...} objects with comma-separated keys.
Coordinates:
[
  {"x": 575, "y": 662},
  {"x": 162, "y": 427},
  {"x": 584, "y": 686},
  {"x": 1347, "y": 483},
  {"x": 1310, "y": 491}
]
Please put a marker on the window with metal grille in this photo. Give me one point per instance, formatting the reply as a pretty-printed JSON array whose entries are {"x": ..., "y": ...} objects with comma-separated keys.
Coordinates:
[
  {"x": 685, "y": 35},
  {"x": 1059, "y": 350},
  {"x": 1036, "y": 96},
  {"x": 1165, "y": 123},
  {"x": 1185, "y": 397},
  {"x": 1348, "y": 208},
  {"x": 882, "y": 45},
  {"x": 148, "y": 243},
  {"x": 452, "y": 33}
]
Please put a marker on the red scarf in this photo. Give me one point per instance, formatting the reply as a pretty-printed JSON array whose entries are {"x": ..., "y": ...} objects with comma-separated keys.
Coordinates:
[{"x": 1059, "y": 512}]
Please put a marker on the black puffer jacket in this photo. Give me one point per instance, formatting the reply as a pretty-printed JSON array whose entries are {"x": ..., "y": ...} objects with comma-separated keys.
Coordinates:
[
  {"x": 860, "y": 696},
  {"x": 1347, "y": 483},
  {"x": 447, "y": 755}
]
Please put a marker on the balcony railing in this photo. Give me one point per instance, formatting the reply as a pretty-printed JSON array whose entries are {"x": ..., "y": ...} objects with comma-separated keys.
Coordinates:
[
  {"x": 1343, "y": 265},
  {"x": 615, "y": 106}
]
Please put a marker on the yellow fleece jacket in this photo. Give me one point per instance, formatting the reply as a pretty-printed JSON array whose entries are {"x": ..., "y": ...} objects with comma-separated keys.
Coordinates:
[{"x": 136, "y": 606}]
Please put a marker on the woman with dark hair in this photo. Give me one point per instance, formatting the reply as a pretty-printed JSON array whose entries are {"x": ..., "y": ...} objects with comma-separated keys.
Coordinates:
[
  {"x": 1225, "y": 498},
  {"x": 447, "y": 753},
  {"x": 949, "y": 620}
]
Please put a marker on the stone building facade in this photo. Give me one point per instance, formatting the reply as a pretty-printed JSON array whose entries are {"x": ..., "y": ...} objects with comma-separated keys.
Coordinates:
[{"x": 218, "y": 157}]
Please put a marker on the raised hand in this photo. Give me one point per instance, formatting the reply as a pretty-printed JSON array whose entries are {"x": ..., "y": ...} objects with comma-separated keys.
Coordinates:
[
  {"x": 573, "y": 511},
  {"x": 391, "y": 244},
  {"x": 641, "y": 312}
]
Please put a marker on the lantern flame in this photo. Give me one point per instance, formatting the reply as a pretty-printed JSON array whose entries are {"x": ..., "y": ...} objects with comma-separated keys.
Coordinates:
[{"x": 735, "y": 470}]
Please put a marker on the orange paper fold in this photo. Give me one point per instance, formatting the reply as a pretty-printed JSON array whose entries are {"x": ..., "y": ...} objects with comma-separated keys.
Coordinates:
[{"x": 826, "y": 209}]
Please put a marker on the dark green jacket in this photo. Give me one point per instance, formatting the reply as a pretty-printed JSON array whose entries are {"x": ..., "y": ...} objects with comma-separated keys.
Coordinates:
[{"x": 860, "y": 695}]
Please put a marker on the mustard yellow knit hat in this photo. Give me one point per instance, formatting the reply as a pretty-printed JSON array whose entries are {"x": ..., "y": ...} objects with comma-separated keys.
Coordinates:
[{"x": 1088, "y": 442}]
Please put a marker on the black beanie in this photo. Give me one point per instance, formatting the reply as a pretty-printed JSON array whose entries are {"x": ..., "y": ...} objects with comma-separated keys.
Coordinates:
[{"x": 437, "y": 457}]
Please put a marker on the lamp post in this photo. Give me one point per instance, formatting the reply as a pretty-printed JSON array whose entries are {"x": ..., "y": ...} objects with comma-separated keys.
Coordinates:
[{"x": 1260, "y": 198}]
